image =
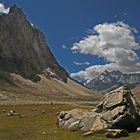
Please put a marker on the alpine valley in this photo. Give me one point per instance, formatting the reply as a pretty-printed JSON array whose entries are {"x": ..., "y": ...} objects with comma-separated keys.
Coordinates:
[{"x": 28, "y": 70}]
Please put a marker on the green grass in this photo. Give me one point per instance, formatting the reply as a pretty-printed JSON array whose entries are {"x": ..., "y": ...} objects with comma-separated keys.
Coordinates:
[{"x": 33, "y": 124}]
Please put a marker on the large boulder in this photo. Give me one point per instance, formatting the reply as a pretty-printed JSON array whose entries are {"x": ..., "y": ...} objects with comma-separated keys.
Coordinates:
[
  {"x": 117, "y": 110},
  {"x": 120, "y": 109}
]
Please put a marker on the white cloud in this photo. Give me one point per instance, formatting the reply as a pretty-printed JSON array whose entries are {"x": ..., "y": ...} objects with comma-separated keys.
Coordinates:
[
  {"x": 87, "y": 63},
  {"x": 64, "y": 47},
  {"x": 91, "y": 72},
  {"x": 3, "y": 9},
  {"x": 114, "y": 42},
  {"x": 81, "y": 63}
]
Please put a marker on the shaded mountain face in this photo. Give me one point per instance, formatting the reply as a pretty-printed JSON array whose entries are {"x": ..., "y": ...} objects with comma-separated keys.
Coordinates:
[
  {"x": 24, "y": 50},
  {"x": 108, "y": 81}
]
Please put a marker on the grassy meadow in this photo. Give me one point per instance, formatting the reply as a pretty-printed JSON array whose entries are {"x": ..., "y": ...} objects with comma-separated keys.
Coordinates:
[{"x": 38, "y": 122}]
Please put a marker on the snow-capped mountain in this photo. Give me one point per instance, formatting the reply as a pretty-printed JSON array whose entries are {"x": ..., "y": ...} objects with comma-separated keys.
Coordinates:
[{"x": 107, "y": 81}]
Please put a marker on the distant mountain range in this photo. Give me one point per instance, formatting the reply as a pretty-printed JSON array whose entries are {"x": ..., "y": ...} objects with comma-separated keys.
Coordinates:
[{"x": 108, "y": 81}]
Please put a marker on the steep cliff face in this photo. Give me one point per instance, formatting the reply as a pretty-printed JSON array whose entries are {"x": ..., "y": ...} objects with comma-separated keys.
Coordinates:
[{"x": 23, "y": 48}]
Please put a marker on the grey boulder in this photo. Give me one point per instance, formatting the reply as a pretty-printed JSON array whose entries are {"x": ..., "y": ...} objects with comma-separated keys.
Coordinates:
[{"x": 117, "y": 110}]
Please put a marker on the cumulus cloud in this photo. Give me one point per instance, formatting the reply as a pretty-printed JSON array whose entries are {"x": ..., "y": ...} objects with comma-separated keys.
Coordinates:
[
  {"x": 91, "y": 72},
  {"x": 3, "y": 9},
  {"x": 81, "y": 63},
  {"x": 114, "y": 42}
]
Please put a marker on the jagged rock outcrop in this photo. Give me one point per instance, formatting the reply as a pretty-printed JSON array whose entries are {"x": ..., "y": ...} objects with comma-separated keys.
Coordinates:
[
  {"x": 120, "y": 109},
  {"x": 117, "y": 110},
  {"x": 24, "y": 50}
]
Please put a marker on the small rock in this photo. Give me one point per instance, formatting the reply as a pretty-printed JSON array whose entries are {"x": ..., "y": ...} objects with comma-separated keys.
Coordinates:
[
  {"x": 8, "y": 114},
  {"x": 43, "y": 112},
  {"x": 138, "y": 129},
  {"x": 116, "y": 133},
  {"x": 21, "y": 116},
  {"x": 11, "y": 114},
  {"x": 43, "y": 132},
  {"x": 89, "y": 133},
  {"x": 3, "y": 111},
  {"x": 12, "y": 111},
  {"x": 34, "y": 109}
]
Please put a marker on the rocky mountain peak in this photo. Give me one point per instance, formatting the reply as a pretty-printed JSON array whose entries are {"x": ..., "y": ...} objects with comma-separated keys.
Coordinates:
[
  {"x": 23, "y": 48},
  {"x": 15, "y": 9}
]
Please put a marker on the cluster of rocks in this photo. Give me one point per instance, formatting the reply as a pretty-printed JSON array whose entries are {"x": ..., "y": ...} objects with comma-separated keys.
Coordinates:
[
  {"x": 12, "y": 113},
  {"x": 118, "y": 113}
]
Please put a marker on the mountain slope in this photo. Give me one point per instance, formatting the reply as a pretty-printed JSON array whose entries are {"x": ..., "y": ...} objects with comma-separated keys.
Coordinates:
[
  {"x": 21, "y": 89},
  {"x": 107, "y": 81},
  {"x": 28, "y": 69}
]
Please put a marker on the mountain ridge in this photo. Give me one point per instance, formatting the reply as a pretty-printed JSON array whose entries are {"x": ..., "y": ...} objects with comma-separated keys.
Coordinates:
[{"x": 108, "y": 81}]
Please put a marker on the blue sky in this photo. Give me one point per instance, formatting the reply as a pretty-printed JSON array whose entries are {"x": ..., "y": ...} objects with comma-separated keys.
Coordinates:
[{"x": 65, "y": 22}]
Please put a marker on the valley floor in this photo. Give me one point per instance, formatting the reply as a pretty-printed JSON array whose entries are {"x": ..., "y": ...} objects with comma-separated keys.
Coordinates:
[{"x": 38, "y": 122}]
